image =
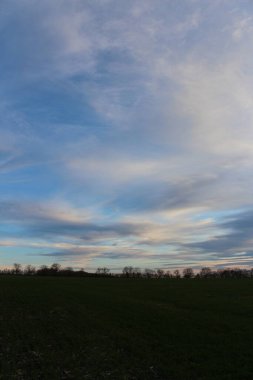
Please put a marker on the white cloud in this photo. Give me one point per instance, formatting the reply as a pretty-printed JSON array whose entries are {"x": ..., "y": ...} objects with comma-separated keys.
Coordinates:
[
  {"x": 218, "y": 101},
  {"x": 171, "y": 85}
]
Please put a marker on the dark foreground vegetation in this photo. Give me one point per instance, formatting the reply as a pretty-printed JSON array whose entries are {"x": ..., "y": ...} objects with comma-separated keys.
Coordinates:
[{"x": 125, "y": 328}]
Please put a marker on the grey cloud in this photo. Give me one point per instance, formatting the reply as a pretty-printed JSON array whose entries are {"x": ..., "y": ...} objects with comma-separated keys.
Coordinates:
[
  {"x": 157, "y": 195},
  {"x": 238, "y": 237},
  {"x": 241, "y": 222},
  {"x": 86, "y": 252},
  {"x": 37, "y": 221},
  {"x": 85, "y": 231},
  {"x": 63, "y": 253}
]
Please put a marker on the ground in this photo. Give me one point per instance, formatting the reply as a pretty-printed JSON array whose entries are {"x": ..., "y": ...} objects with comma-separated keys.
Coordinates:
[{"x": 113, "y": 328}]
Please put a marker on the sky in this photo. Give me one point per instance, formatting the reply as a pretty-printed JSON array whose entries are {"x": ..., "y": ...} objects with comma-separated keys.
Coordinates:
[{"x": 126, "y": 132}]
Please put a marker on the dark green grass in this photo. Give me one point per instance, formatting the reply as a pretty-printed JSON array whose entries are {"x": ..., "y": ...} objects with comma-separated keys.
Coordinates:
[{"x": 95, "y": 328}]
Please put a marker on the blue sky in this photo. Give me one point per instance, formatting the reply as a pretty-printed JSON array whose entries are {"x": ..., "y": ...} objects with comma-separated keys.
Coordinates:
[{"x": 126, "y": 133}]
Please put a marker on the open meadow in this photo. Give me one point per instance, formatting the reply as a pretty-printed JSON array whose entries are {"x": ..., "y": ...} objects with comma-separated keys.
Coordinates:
[{"x": 118, "y": 328}]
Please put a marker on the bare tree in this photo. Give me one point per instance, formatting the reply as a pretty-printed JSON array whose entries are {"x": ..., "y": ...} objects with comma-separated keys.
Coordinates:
[
  {"x": 176, "y": 274},
  {"x": 43, "y": 270},
  {"x": 69, "y": 269},
  {"x": 136, "y": 272},
  {"x": 55, "y": 268},
  {"x": 17, "y": 268},
  {"x": 103, "y": 271},
  {"x": 149, "y": 273},
  {"x": 29, "y": 270},
  {"x": 128, "y": 271},
  {"x": 205, "y": 272},
  {"x": 160, "y": 273},
  {"x": 188, "y": 273},
  {"x": 168, "y": 274}
]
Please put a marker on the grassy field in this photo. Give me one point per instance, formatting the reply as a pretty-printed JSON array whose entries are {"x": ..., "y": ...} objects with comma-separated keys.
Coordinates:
[{"x": 95, "y": 328}]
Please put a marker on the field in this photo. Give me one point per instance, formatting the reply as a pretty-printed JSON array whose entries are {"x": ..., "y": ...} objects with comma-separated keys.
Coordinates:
[{"x": 115, "y": 328}]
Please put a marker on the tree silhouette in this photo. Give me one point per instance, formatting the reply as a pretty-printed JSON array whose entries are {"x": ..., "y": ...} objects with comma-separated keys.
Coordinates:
[
  {"x": 29, "y": 270},
  {"x": 17, "y": 268},
  {"x": 205, "y": 272},
  {"x": 188, "y": 273},
  {"x": 103, "y": 271},
  {"x": 55, "y": 268},
  {"x": 128, "y": 271},
  {"x": 176, "y": 274},
  {"x": 160, "y": 273}
]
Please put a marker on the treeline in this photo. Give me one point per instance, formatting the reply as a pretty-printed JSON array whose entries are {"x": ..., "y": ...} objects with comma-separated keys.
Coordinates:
[
  {"x": 128, "y": 272},
  {"x": 205, "y": 272},
  {"x": 44, "y": 270}
]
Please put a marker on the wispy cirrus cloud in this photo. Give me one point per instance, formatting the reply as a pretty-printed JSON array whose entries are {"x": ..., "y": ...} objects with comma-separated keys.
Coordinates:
[{"x": 127, "y": 128}]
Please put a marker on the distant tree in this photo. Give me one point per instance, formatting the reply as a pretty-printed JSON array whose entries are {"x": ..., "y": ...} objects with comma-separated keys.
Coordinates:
[
  {"x": 55, "y": 268},
  {"x": 103, "y": 271},
  {"x": 136, "y": 272},
  {"x": 205, "y": 272},
  {"x": 128, "y": 271},
  {"x": 43, "y": 270},
  {"x": 237, "y": 273},
  {"x": 69, "y": 269},
  {"x": 160, "y": 273},
  {"x": 6, "y": 271},
  {"x": 29, "y": 270},
  {"x": 17, "y": 268},
  {"x": 188, "y": 273},
  {"x": 81, "y": 272},
  {"x": 226, "y": 273},
  {"x": 176, "y": 274},
  {"x": 149, "y": 273},
  {"x": 168, "y": 274}
]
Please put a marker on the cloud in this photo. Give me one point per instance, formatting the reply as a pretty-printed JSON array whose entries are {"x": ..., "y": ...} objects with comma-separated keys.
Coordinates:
[
  {"x": 235, "y": 240},
  {"x": 127, "y": 129},
  {"x": 43, "y": 221}
]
